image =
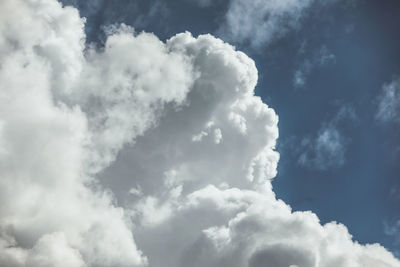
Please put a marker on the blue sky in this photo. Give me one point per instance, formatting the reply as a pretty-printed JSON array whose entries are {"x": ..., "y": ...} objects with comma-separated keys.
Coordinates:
[{"x": 324, "y": 78}]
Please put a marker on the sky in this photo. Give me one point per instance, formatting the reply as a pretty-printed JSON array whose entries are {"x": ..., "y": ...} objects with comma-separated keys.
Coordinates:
[{"x": 200, "y": 133}]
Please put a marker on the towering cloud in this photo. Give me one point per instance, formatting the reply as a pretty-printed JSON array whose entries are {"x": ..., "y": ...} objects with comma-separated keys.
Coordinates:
[{"x": 142, "y": 153}]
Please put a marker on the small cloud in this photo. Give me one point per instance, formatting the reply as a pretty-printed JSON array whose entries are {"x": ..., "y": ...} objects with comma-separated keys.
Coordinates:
[
  {"x": 324, "y": 56},
  {"x": 389, "y": 103},
  {"x": 300, "y": 75},
  {"x": 136, "y": 191},
  {"x": 320, "y": 58},
  {"x": 217, "y": 136},
  {"x": 199, "y": 137},
  {"x": 392, "y": 229},
  {"x": 259, "y": 23},
  {"x": 327, "y": 148},
  {"x": 299, "y": 79},
  {"x": 262, "y": 22}
]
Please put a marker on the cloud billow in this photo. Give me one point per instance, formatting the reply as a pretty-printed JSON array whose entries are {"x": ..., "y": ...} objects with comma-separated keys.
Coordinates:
[{"x": 70, "y": 114}]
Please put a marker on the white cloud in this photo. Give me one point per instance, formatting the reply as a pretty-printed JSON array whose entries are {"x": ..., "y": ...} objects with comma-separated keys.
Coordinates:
[
  {"x": 99, "y": 168},
  {"x": 326, "y": 151},
  {"x": 259, "y": 23},
  {"x": 389, "y": 103},
  {"x": 53, "y": 250},
  {"x": 327, "y": 148},
  {"x": 300, "y": 75},
  {"x": 299, "y": 78},
  {"x": 324, "y": 56},
  {"x": 234, "y": 227},
  {"x": 319, "y": 59},
  {"x": 262, "y": 21},
  {"x": 392, "y": 229}
]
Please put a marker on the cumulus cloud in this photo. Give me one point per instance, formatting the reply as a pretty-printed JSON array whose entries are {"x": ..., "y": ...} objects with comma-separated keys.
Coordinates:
[
  {"x": 143, "y": 153},
  {"x": 389, "y": 103}
]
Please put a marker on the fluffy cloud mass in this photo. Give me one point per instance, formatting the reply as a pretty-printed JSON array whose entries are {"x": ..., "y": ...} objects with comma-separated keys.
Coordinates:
[{"x": 143, "y": 153}]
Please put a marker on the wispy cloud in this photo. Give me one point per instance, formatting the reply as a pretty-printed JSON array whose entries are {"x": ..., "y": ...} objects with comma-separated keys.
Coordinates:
[
  {"x": 388, "y": 109},
  {"x": 392, "y": 229},
  {"x": 320, "y": 58},
  {"x": 327, "y": 149},
  {"x": 261, "y": 22}
]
